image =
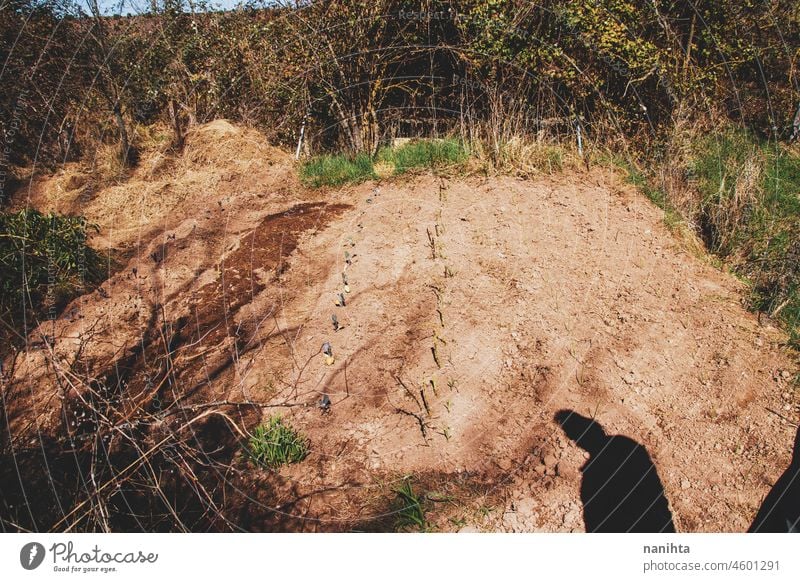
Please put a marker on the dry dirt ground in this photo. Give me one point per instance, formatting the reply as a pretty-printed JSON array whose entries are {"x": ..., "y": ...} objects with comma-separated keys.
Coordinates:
[{"x": 477, "y": 308}]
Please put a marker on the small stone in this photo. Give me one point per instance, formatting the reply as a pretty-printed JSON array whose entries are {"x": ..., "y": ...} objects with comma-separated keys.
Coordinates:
[
  {"x": 564, "y": 470},
  {"x": 526, "y": 506},
  {"x": 685, "y": 484},
  {"x": 571, "y": 517},
  {"x": 505, "y": 464},
  {"x": 550, "y": 461}
]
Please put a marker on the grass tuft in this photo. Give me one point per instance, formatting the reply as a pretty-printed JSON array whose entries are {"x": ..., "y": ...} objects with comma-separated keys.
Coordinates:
[
  {"x": 424, "y": 154},
  {"x": 336, "y": 170},
  {"x": 277, "y": 443},
  {"x": 409, "y": 509}
]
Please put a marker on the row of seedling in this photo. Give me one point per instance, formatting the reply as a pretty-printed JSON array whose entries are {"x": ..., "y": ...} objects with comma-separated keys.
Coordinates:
[{"x": 339, "y": 301}]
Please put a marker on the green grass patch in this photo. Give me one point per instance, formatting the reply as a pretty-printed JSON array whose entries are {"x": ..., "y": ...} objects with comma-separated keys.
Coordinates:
[
  {"x": 336, "y": 170},
  {"x": 424, "y": 154},
  {"x": 340, "y": 169},
  {"x": 409, "y": 509},
  {"x": 276, "y": 443}
]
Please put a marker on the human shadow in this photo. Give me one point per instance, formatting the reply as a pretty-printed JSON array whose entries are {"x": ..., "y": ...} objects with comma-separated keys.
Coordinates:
[
  {"x": 780, "y": 511},
  {"x": 621, "y": 490}
]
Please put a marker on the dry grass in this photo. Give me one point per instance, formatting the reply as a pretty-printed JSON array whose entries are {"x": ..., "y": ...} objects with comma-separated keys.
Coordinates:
[
  {"x": 216, "y": 157},
  {"x": 525, "y": 157}
]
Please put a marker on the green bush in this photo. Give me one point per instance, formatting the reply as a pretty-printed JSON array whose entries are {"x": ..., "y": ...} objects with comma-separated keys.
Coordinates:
[
  {"x": 44, "y": 260},
  {"x": 277, "y": 443},
  {"x": 335, "y": 170}
]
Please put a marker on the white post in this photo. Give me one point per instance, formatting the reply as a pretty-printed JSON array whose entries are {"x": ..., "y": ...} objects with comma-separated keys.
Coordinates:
[{"x": 300, "y": 140}]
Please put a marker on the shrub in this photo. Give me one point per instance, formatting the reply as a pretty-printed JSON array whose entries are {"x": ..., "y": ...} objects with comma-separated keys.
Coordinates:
[
  {"x": 44, "y": 260},
  {"x": 277, "y": 443}
]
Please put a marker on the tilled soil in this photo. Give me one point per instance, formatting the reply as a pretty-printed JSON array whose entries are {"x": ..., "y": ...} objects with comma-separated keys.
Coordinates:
[{"x": 475, "y": 310}]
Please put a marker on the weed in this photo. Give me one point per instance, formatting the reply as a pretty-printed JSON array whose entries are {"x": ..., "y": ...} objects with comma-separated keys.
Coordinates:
[
  {"x": 277, "y": 443},
  {"x": 458, "y": 522},
  {"x": 409, "y": 509},
  {"x": 655, "y": 194},
  {"x": 485, "y": 510},
  {"x": 336, "y": 170},
  {"x": 745, "y": 207}
]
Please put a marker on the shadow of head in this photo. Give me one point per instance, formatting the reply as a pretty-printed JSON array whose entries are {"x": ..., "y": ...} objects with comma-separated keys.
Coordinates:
[{"x": 586, "y": 433}]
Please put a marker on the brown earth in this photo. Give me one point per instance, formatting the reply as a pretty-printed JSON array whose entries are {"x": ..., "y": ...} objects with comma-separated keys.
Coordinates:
[{"x": 478, "y": 307}]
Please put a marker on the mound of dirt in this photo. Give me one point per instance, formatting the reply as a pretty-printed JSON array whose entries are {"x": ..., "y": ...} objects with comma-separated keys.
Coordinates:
[
  {"x": 468, "y": 313},
  {"x": 219, "y": 162}
]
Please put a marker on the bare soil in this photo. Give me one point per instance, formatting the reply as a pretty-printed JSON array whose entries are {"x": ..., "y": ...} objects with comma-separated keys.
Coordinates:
[{"x": 477, "y": 308}]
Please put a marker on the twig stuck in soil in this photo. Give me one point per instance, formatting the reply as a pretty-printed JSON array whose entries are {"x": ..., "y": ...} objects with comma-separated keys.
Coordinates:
[
  {"x": 779, "y": 415},
  {"x": 431, "y": 243},
  {"x": 420, "y": 420},
  {"x": 435, "y": 352},
  {"x": 424, "y": 401},
  {"x": 408, "y": 391}
]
